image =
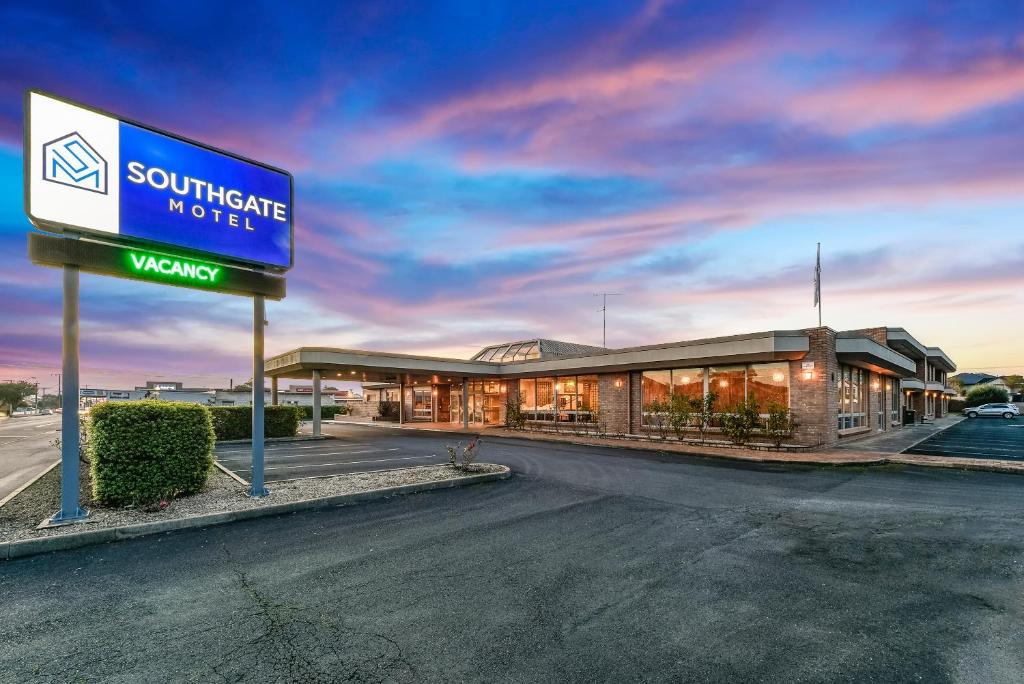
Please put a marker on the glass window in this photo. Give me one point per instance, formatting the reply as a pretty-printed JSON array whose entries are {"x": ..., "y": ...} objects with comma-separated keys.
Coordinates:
[
  {"x": 528, "y": 394},
  {"x": 545, "y": 398},
  {"x": 528, "y": 352},
  {"x": 767, "y": 384},
  {"x": 853, "y": 397},
  {"x": 422, "y": 406},
  {"x": 565, "y": 388},
  {"x": 728, "y": 383},
  {"x": 688, "y": 383},
  {"x": 655, "y": 388},
  {"x": 586, "y": 386},
  {"x": 510, "y": 353}
]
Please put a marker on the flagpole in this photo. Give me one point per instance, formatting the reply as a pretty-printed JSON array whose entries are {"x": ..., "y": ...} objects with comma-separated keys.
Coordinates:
[{"x": 817, "y": 283}]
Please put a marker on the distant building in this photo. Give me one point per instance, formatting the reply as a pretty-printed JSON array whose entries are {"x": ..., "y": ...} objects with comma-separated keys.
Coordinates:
[{"x": 969, "y": 381}]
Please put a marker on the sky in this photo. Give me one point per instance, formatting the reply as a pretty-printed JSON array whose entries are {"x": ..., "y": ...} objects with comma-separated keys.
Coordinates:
[{"x": 473, "y": 172}]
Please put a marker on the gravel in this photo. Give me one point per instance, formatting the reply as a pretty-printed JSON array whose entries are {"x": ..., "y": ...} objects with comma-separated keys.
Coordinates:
[{"x": 20, "y": 516}]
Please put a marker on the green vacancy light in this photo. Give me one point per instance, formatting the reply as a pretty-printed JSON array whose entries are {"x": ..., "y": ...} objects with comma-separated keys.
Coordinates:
[{"x": 180, "y": 269}]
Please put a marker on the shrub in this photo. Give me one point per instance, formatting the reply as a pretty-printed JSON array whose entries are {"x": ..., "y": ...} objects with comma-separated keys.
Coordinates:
[
  {"x": 461, "y": 457},
  {"x": 515, "y": 417},
  {"x": 779, "y": 424},
  {"x": 704, "y": 412},
  {"x": 957, "y": 405},
  {"x": 986, "y": 394},
  {"x": 679, "y": 411},
  {"x": 142, "y": 452},
  {"x": 387, "y": 410},
  {"x": 235, "y": 422},
  {"x": 741, "y": 422},
  {"x": 326, "y": 412},
  {"x": 657, "y": 417}
]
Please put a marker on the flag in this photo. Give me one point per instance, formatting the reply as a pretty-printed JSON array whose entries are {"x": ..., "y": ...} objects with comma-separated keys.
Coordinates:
[{"x": 817, "y": 278}]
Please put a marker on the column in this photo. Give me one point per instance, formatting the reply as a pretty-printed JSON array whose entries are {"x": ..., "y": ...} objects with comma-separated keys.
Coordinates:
[
  {"x": 69, "y": 443},
  {"x": 465, "y": 403},
  {"x": 401, "y": 403},
  {"x": 258, "y": 322},
  {"x": 273, "y": 391},
  {"x": 316, "y": 403}
]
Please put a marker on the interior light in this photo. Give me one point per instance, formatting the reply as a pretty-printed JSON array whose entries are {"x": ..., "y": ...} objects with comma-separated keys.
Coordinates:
[
  {"x": 888, "y": 386},
  {"x": 723, "y": 383},
  {"x": 874, "y": 385},
  {"x": 686, "y": 379},
  {"x": 778, "y": 377}
]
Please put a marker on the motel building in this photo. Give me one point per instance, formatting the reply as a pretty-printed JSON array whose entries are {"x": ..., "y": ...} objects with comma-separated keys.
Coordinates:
[{"x": 838, "y": 385}]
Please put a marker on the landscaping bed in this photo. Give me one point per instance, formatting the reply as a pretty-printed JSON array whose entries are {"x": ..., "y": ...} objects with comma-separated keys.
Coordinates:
[{"x": 20, "y": 517}]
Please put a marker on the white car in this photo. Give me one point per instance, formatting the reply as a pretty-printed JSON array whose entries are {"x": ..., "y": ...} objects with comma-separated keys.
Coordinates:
[{"x": 994, "y": 410}]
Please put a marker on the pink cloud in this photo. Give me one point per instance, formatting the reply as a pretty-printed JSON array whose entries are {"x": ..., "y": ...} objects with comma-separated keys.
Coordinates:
[{"x": 912, "y": 98}]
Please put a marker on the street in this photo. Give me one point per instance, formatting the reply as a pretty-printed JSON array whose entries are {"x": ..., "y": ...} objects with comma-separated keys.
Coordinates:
[
  {"x": 25, "y": 449},
  {"x": 588, "y": 565}
]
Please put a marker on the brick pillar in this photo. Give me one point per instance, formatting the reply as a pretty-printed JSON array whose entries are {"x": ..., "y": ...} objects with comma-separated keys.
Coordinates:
[
  {"x": 876, "y": 386},
  {"x": 613, "y": 400},
  {"x": 814, "y": 399},
  {"x": 635, "y": 378}
]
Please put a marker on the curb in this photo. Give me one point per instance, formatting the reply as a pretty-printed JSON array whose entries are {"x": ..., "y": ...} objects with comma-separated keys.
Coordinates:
[
  {"x": 61, "y": 542},
  {"x": 28, "y": 484},
  {"x": 405, "y": 426}
]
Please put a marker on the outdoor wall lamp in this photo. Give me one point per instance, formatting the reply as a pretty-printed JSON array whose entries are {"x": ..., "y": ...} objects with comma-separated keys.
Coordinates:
[
  {"x": 808, "y": 375},
  {"x": 618, "y": 383}
]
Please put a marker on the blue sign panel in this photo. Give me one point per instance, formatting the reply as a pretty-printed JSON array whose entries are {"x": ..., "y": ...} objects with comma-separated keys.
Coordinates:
[
  {"x": 189, "y": 196},
  {"x": 91, "y": 172}
]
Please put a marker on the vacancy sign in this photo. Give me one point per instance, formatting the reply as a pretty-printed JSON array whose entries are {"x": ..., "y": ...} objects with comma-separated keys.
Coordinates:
[{"x": 89, "y": 172}]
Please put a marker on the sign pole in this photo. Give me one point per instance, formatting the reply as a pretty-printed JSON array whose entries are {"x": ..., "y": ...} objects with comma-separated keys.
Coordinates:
[
  {"x": 258, "y": 321},
  {"x": 69, "y": 442}
]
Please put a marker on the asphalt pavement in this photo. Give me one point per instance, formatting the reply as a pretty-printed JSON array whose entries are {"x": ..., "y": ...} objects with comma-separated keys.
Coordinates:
[
  {"x": 587, "y": 565},
  {"x": 996, "y": 438},
  {"x": 26, "y": 449}
]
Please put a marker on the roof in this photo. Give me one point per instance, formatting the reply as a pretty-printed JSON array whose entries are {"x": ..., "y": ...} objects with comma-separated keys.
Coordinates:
[
  {"x": 532, "y": 349},
  {"x": 973, "y": 378}
]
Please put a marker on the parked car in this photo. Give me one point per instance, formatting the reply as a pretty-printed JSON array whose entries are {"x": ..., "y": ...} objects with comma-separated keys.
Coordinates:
[{"x": 994, "y": 410}]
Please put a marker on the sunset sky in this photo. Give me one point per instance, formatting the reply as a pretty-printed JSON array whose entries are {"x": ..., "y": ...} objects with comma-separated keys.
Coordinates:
[{"x": 472, "y": 172}]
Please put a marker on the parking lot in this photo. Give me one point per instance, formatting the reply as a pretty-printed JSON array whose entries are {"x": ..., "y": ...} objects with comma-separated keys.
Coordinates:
[
  {"x": 355, "y": 450},
  {"x": 996, "y": 438}
]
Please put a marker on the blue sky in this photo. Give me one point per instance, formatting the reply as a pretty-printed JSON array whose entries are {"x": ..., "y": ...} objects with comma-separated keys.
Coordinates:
[{"x": 471, "y": 172}]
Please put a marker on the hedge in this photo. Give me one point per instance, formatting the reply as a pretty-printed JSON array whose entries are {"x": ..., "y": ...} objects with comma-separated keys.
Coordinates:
[
  {"x": 326, "y": 412},
  {"x": 235, "y": 422},
  {"x": 142, "y": 452},
  {"x": 986, "y": 394},
  {"x": 956, "y": 405}
]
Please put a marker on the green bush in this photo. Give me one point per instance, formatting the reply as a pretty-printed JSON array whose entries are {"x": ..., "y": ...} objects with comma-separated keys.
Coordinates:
[
  {"x": 141, "y": 452},
  {"x": 741, "y": 422},
  {"x": 235, "y": 422},
  {"x": 515, "y": 417},
  {"x": 387, "y": 410},
  {"x": 779, "y": 425},
  {"x": 326, "y": 412},
  {"x": 956, "y": 405},
  {"x": 986, "y": 394}
]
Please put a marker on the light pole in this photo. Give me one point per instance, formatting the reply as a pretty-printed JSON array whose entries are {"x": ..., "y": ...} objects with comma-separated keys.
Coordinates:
[{"x": 604, "y": 314}]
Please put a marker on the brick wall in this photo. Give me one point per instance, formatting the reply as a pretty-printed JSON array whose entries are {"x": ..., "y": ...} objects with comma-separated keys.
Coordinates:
[
  {"x": 635, "y": 384},
  {"x": 614, "y": 401},
  {"x": 813, "y": 400}
]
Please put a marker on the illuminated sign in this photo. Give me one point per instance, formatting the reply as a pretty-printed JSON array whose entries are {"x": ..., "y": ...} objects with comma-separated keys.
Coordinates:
[
  {"x": 157, "y": 264},
  {"x": 89, "y": 172}
]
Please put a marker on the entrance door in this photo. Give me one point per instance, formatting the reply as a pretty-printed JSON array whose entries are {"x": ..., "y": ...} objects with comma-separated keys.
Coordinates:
[
  {"x": 422, "y": 406},
  {"x": 444, "y": 403}
]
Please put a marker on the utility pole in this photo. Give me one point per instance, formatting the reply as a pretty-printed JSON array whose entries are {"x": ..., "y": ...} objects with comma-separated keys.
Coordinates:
[
  {"x": 60, "y": 394},
  {"x": 604, "y": 314}
]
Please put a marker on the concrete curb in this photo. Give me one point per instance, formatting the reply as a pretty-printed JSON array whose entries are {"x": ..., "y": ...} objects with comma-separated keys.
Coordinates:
[
  {"x": 953, "y": 463},
  {"x": 75, "y": 540},
  {"x": 405, "y": 426},
  {"x": 28, "y": 484}
]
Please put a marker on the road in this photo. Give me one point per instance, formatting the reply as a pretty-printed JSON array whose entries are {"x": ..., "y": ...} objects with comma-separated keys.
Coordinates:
[
  {"x": 587, "y": 565},
  {"x": 25, "y": 449}
]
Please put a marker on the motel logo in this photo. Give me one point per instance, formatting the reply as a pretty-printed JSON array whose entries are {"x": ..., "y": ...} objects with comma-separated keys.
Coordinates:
[{"x": 70, "y": 160}]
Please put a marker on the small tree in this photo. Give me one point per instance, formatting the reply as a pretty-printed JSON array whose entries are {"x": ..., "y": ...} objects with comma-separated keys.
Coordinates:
[
  {"x": 515, "y": 417},
  {"x": 13, "y": 394},
  {"x": 704, "y": 412},
  {"x": 387, "y": 410},
  {"x": 742, "y": 421},
  {"x": 986, "y": 394},
  {"x": 658, "y": 411},
  {"x": 679, "y": 413},
  {"x": 779, "y": 424}
]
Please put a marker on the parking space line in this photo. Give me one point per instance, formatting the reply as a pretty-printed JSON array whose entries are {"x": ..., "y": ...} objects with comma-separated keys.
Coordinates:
[{"x": 345, "y": 463}]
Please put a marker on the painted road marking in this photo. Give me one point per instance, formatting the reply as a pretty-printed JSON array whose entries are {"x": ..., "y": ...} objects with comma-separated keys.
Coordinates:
[
  {"x": 268, "y": 448},
  {"x": 338, "y": 453}
]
